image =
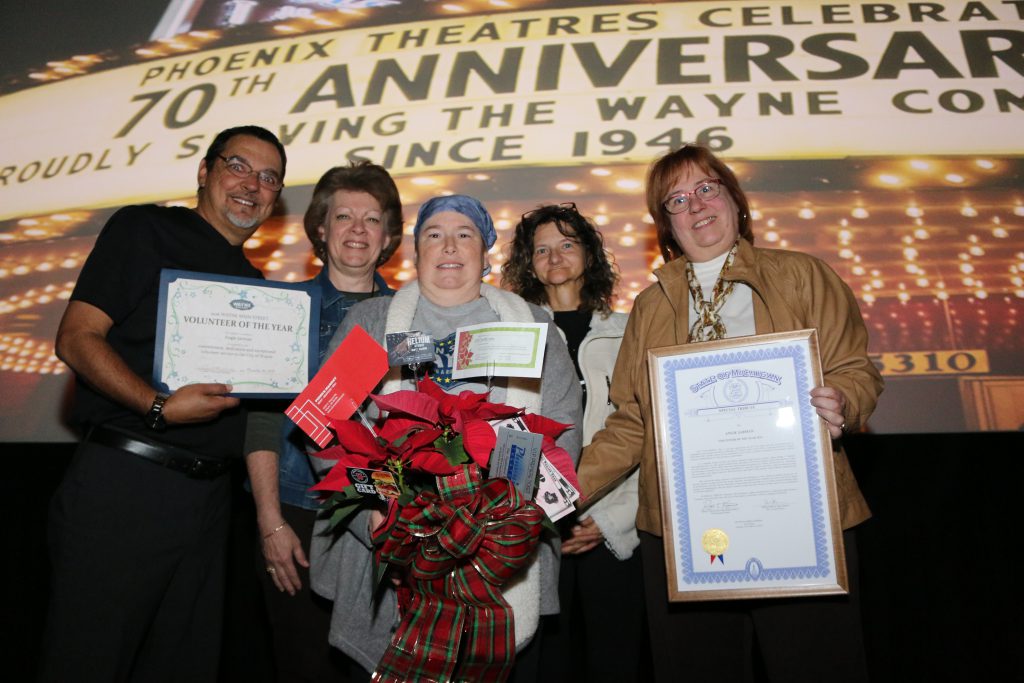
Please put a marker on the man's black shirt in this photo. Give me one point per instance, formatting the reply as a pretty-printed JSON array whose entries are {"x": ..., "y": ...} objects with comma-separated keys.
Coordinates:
[{"x": 121, "y": 277}]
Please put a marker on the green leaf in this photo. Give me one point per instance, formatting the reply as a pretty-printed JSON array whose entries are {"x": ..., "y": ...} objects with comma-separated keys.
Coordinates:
[
  {"x": 453, "y": 450},
  {"x": 338, "y": 507},
  {"x": 341, "y": 514},
  {"x": 343, "y": 496},
  {"x": 379, "y": 570},
  {"x": 549, "y": 525}
]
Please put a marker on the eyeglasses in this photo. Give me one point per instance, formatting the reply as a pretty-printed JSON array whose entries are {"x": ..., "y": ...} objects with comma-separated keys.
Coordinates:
[
  {"x": 563, "y": 207},
  {"x": 240, "y": 169},
  {"x": 705, "y": 191}
]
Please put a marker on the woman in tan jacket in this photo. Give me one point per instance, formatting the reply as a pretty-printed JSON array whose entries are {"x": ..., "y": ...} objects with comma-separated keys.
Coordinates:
[{"x": 715, "y": 285}]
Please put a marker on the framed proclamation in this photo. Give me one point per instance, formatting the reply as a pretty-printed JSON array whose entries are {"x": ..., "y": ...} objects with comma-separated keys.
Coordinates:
[
  {"x": 748, "y": 494},
  {"x": 256, "y": 335}
]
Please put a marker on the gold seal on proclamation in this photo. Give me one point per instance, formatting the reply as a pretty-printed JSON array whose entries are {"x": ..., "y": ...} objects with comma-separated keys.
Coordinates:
[{"x": 715, "y": 542}]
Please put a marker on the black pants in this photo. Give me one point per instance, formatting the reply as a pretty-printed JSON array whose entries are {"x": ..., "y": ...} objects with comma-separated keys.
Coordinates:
[
  {"x": 138, "y": 554},
  {"x": 798, "y": 639},
  {"x": 300, "y": 623},
  {"x": 601, "y": 632}
]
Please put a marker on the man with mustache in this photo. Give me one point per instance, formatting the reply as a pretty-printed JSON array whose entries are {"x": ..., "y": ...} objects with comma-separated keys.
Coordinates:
[{"x": 138, "y": 527}]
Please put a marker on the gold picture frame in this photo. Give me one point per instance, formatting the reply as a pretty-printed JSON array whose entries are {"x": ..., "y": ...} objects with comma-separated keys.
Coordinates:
[{"x": 748, "y": 491}]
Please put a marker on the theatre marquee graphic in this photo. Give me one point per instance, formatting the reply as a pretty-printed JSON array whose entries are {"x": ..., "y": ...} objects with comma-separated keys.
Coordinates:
[{"x": 882, "y": 137}]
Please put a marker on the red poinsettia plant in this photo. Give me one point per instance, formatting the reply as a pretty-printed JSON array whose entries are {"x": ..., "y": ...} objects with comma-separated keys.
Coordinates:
[{"x": 425, "y": 434}]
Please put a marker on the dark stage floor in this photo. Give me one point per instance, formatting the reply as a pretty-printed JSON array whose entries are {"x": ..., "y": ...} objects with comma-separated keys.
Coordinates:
[{"x": 942, "y": 594}]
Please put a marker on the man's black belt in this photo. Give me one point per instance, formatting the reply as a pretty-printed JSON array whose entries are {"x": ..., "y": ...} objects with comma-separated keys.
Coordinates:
[{"x": 171, "y": 457}]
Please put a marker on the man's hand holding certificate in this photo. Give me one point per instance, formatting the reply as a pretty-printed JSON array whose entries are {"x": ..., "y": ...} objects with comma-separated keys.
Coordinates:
[{"x": 252, "y": 334}]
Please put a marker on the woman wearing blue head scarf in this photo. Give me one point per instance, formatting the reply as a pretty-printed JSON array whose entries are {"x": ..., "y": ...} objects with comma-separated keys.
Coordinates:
[{"x": 453, "y": 234}]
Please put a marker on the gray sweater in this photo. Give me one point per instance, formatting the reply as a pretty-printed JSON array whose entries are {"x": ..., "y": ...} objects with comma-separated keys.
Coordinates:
[{"x": 342, "y": 567}]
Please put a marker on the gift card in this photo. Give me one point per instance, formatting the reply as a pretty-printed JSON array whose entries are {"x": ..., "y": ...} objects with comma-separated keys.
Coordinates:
[
  {"x": 361, "y": 480},
  {"x": 515, "y": 458},
  {"x": 502, "y": 349},
  {"x": 568, "y": 490},
  {"x": 515, "y": 422},
  {"x": 551, "y": 500},
  {"x": 341, "y": 385},
  {"x": 368, "y": 482},
  {"x": 408, "y": 348},
  {"x": 385, "y": 483}
]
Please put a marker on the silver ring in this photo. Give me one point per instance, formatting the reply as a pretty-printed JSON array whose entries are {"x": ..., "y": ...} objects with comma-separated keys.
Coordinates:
[{"x": 271, "y": 571}]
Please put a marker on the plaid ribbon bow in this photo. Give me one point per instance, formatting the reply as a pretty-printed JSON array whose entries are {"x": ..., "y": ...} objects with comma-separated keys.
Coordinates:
[{"x": 459, "y": 547}]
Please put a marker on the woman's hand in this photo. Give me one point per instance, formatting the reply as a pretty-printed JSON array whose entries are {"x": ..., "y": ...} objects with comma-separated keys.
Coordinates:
[
  {"x": 831, "y": 406},
  {"x": 376, "y": 519},
  {"x": 585, "y": 536},
  {"x": 281, "y": 550}
]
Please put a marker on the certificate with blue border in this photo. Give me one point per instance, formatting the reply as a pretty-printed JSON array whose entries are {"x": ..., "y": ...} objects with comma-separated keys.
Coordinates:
[
  {"x": 256, "y": 335},
  {"x": 749, "y": 506}
]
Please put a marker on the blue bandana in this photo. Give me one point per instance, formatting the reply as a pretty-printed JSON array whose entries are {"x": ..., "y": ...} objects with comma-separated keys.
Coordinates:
[{"x": 462, "y": 204}]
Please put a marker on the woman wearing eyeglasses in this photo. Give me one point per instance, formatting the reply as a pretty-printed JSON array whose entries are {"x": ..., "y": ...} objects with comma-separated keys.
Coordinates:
[
  {"x": 557, "y": 260},
  {"x": 716, "y": 284}
]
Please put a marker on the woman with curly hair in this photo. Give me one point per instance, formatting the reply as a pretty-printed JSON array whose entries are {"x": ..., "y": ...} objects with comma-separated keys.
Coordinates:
[{"x": 557, "y": 260}]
